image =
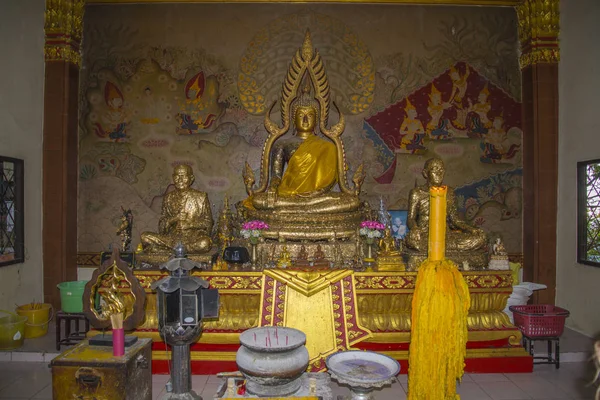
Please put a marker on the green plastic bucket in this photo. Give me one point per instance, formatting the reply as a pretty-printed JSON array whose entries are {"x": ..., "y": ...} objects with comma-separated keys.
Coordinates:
[
  {"x": 71, "y": 296},
  {"x": 12, "y": 331}
]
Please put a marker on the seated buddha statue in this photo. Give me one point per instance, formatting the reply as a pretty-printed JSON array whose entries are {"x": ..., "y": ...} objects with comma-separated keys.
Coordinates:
[
  {"x": 186, "y": 217},
  {"x": 303, "y": 193},
  {"x": 461, "y": 238}
]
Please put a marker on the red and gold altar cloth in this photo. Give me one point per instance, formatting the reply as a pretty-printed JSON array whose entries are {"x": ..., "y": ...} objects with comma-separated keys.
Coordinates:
[{"x": 322, "y": 304}]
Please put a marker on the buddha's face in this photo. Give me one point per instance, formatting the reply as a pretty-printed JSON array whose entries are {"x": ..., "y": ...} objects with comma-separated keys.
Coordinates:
[
  {"x": 182, "y": 177},
  {"x": 435, "y": 173},
  {"x": 305, "y": 119},
  {"x": 482, "y": 97},
  {"x": 411, "y": 113}
]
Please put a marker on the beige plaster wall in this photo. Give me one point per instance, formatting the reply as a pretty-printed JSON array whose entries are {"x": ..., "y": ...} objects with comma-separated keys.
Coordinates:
[
  {"x": 579, "y": 84},
  {"x": 21, "y": 120}
]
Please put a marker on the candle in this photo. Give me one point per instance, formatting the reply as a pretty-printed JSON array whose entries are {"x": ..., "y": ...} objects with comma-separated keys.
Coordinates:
[
  {"x": 254, "y": 337},
  {"x": 286, "y": 340},
  {"x": 437, "y": 223}
]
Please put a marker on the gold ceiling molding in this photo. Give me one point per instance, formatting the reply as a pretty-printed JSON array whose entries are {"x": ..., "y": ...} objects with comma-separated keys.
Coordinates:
[
  {"x": 443, "y": 2},
  {"x": 538, "y": 31},
  {"x": 63, "y": 26}
]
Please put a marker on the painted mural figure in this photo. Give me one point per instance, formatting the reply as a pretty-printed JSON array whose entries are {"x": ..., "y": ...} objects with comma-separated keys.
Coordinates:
[
  {"x": 480, "y": 122},
  {"x": 115, "y": 119},
  {"x": 186, "y": 217},
  {"x": 437, "y": 128},
  {"x": 201, "y": 108},
  {"x": 457, "y": 95},
  {"x": 412, "y": 132},
  {"x": 494, "y": 144},
  {"x": 150, "y": 107}
]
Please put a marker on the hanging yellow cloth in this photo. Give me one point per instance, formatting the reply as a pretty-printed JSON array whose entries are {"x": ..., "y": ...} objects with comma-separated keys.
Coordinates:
[
  {"x": 439, "y": 316},
  {"x": 312, "y": 167}
]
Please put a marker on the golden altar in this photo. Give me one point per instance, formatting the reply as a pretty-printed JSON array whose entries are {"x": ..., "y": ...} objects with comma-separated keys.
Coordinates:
[{"x": 382, "y": 302}]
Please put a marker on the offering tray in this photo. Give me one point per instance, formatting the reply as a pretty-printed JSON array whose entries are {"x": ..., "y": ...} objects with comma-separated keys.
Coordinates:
[{"x": 363, "y": 371}]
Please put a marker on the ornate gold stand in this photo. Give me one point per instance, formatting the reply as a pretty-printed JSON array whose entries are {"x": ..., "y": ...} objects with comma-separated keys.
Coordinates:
[{"x": 383, "y": 306}]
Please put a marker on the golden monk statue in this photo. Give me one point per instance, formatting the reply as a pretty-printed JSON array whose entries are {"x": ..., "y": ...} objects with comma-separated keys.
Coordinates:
[
  {"x": 303, "y": 192},
  {"x": 461, "y": 237},
  {"x": 186, "y": 218}
]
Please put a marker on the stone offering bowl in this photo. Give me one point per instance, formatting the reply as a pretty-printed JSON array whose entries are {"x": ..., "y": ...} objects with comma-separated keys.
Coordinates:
[
  {"x": 272, "y": 359},
  {"x": 363, "y": 371}
]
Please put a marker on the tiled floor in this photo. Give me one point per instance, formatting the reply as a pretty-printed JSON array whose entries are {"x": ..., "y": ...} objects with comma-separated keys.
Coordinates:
[{"x": 30, "y": 380}]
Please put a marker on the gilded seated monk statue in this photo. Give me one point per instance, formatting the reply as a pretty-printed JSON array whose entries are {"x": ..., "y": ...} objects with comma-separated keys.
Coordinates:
[
  {"x": 186, "y": 218},
  {"x": 303, "y": 192},
  {"x": 463, "y": 241}
]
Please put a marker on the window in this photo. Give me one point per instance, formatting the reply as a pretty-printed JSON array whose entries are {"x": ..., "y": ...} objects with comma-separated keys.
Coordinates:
[
  {"x": 11, "y": 211},
  {"x": 588, "y": 212}
]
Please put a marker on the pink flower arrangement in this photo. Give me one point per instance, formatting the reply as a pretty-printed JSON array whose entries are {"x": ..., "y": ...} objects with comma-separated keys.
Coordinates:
[
  {"x": 251, "y": 230},
  {"x": 372, "y": 225},
  {"x": 371, "y": 229},
  {"x": 254, "y": 225}
]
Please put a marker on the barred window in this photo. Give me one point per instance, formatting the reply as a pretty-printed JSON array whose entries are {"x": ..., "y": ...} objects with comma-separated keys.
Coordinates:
[
  {"x": 588, "y": 212},
  {"x": 11, "y": 211}
]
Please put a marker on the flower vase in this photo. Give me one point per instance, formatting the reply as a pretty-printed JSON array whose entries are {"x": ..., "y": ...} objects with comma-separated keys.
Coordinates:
[
  {"x": 253, "y": 251},
  {"x": 370, "y": 243}
]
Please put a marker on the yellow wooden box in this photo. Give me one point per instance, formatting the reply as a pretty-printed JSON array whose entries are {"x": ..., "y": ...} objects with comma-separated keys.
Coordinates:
[{"x": 92, "y": 372}]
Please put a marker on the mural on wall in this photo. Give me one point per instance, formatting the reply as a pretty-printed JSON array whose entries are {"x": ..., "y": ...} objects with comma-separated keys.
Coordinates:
[
  {"x": 155, "y": 93},
  {"x": 459, "y": 104}
]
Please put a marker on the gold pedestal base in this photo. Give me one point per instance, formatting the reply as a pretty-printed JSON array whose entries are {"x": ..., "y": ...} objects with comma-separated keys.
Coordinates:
[
  {"x": 307, "y": 226},
  {"x": 390, "y": 263},
  {"x": 477, "y": 260},
  {"x": 156, "y": 259}
]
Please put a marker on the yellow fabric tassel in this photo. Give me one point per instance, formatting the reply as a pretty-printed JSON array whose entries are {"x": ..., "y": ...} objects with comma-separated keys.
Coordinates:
[{"x": 439, "y": 331}]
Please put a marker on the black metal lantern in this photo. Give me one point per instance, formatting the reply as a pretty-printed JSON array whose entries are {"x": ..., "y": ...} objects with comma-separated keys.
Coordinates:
[{"x": 183, "y": 302}]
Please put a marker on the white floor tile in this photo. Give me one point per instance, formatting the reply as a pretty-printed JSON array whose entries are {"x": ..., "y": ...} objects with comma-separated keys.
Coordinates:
[
  {"x": 471, "y": 391},
  {"x": 541, "y": 389},
  {"x": 488, "y": 377},
  {"x": 503, "y": 391}
]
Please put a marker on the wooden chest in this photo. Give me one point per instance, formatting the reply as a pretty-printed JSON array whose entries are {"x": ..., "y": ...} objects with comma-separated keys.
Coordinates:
[{"x": 91, "y": 372}]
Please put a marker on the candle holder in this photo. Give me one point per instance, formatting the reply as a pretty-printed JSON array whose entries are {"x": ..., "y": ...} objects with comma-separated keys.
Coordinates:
[{"x": 370, "y": 230}]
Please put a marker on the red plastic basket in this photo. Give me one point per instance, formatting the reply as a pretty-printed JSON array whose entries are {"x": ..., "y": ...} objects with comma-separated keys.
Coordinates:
[{"x": 540, "y": 320}]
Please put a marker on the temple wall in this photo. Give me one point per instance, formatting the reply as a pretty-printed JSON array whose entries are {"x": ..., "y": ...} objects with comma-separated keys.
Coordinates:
[
  {"x": 21, "y": 120},
  {"x": 579, "y": 85},
  {"x": 165, "y": 84}
]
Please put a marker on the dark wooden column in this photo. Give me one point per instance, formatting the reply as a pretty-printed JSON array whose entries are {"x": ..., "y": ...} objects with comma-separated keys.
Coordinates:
[
  {"x": 539, "y": 68},
  {"x": 59, "y": 188}
]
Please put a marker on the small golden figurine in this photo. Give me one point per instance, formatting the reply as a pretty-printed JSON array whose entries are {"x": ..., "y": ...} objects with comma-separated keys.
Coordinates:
[
  {"x": 186, "y": 218},
  {"x": 389, "y": 257},
  {"x": 224, "y": 225},
  {"x": 285, "y": 260},
  {"x": 125, "y": 229}
]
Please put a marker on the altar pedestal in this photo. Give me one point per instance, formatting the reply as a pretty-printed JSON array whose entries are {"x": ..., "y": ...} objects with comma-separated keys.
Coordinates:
[{"x": 381, "y": 311}]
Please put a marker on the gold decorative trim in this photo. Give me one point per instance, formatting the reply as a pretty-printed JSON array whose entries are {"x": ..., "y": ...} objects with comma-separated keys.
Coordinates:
[
  {"x": 307, "y": 282},
  {"x": 445, "y": 2},
  {"x": 64, "y": 27},
  {"x": 538, "y": 31}
]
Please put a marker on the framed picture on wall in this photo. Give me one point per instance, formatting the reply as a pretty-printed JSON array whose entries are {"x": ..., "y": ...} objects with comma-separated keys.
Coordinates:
[{"x": 399, "y": 227}]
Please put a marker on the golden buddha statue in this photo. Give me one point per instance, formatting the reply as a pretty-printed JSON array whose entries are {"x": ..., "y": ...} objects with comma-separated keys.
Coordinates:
[
  {"x": 461, "y": 238},
  {"x": 186, "y": 218},
  {"x": 297, "y": 194},
  {"x": 389, "y": 257}
]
